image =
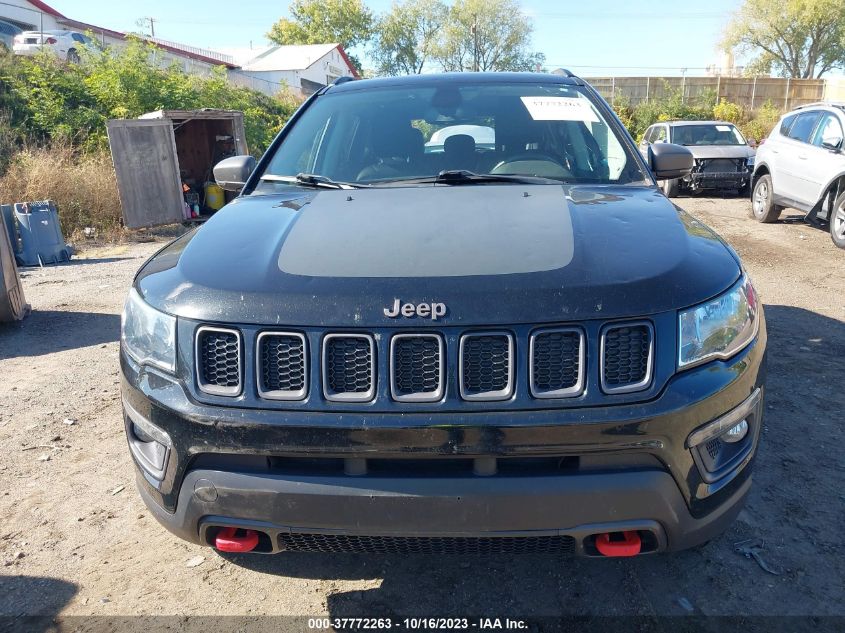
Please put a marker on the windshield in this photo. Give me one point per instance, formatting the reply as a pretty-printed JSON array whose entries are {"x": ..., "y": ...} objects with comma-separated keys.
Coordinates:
[
  {"x": 384, "y": 136},
  {"x": 707, "y": 134}
]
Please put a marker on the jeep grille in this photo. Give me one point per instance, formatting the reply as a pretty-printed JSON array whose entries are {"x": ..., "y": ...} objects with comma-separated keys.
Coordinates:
[
  {"x": 557, "y": 363},
  {"x": 218, "y": 353},
  {"x": 426, "y": 366},
  {"x": 416, "y": 368},
  {"x": 282, "y": 363},
  {"x": 486, "y": 366},
  {"x": 349, "y": 367},
  {"x": 626, "y": 357}
]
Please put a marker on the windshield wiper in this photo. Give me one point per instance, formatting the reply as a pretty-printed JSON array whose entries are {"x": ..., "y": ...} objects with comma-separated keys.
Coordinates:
[
  {"x": 464, "y": 176},
  {"x": 313, "y": 180}
]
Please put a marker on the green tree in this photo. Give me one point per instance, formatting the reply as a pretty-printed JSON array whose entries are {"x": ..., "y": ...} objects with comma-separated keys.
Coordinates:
[
  {"x": 347, "y": 22},
  {"x": 793, "y": 38},
  {"x": 407, "y": 35},
  {"x": 487, "y": 35}
]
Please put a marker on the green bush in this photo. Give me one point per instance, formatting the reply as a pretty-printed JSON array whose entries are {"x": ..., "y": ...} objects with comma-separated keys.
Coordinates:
[
  {"x": 52, "y": 101},
  {"x": 762, "y": 123},
  {"x": 670, "y": 106},
  {"x": 730, "y": 112},
  {"x": 667, "y": 107}
]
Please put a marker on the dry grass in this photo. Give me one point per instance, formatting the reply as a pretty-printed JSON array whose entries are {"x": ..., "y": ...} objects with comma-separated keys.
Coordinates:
[{"x": 83, "y": 187}]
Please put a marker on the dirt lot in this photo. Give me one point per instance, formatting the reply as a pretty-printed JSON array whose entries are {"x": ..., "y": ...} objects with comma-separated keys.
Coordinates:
[{"x": 75, "y": 538}]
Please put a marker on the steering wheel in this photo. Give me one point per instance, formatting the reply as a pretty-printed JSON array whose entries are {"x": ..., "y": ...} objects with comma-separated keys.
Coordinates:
[{"x": 534, "y": 157}]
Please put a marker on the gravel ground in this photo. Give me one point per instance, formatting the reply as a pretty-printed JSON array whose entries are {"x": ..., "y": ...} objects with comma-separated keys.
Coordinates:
[{"x": 75, "y": 538}]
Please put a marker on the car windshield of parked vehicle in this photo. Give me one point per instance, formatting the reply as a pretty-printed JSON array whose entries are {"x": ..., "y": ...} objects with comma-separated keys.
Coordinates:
[
  {"x": 463, "y": 133},
  {"x": 707, "y": 134}
]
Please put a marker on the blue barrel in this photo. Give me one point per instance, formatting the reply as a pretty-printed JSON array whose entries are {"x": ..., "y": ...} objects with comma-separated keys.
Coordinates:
[{"x": 36, "y": 234}]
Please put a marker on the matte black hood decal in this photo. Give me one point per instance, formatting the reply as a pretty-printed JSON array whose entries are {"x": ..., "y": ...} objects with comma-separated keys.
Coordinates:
[
  {"x": 525, "y": 254},
  {"x": 430, "y": 232}
]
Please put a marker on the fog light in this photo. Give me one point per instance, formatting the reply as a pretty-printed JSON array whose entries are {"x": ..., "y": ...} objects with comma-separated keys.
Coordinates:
[
  {"x": 149, "y": 444},
  {"x": 142, "y": 435},
  {"x": 735, "y": 433}
]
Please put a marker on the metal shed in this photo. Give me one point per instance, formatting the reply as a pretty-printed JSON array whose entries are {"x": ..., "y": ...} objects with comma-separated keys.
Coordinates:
[{"x": 158, "y": 153}]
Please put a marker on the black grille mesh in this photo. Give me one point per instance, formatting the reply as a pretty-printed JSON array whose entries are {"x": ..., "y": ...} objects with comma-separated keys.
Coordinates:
[
  {"x": 713, "y": 447},
  {"x": 220, "y": 361},
  {"x": 556, "y": 360},
  {"x": 416, "y": 365},
  {"x": 626, "y": 351},
  {"x": 486, "y": 364},
  {"x": 722, "y": 165},
  {"x": 348, "y": 365},
  {"x": 282, "y": 363},
  {"x": 426, "y": 544}
]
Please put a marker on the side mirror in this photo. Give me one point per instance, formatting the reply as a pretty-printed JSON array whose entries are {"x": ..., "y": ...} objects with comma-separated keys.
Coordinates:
[
  {"x": 833, "y": 145},
  {"x": 668, "y": 160},
  {"x": 232, "y": 173}
]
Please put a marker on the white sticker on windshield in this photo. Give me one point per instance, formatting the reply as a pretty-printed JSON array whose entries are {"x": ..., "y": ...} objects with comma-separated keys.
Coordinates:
[
  {"x": 723, "y": 128},
  {"x": 560, "y": 109}
]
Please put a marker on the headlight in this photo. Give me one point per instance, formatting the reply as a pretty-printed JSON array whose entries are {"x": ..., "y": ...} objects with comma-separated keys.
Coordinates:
[
  {"x": 148, "y": 336},
  {"x": 719, "y": 328}
]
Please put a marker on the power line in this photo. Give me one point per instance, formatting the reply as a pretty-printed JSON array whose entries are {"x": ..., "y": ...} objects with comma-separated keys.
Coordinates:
[{"x": 676, "y": 67}]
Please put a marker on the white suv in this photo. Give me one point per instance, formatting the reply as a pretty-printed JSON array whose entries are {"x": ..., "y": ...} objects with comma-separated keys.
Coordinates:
[{"x": 802, "y": 165}]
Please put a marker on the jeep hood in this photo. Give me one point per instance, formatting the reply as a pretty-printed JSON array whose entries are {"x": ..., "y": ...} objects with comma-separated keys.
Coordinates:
[{"x": 493, "y": 254}]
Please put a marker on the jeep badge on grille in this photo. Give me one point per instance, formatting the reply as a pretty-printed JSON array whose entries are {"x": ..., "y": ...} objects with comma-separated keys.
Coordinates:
[{"x": 432, "y": 310}]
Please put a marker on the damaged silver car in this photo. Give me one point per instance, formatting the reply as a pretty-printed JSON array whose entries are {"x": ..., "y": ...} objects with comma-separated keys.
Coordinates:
[{"x": 724, "y": 160}]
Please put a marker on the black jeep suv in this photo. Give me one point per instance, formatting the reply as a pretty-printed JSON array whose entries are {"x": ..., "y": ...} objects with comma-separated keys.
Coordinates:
[{"x": 446, "y": 313}]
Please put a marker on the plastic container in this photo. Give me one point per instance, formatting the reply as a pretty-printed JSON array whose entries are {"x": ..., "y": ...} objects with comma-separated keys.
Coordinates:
[
  {"x": 36, "y": 236},
  {"x": 214, "y": 197}
]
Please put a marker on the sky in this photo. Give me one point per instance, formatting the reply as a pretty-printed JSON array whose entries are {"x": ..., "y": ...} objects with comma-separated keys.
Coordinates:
[{"x": 591, "y": 38}]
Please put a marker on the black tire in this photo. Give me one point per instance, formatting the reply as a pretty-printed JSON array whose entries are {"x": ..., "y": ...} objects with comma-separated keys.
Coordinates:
[
  {"x": 73, "y": 56},
  {"x": 837, "y": 221},
  {"x": 670, "y": 187},
  {"x": 762, "y": 207}
]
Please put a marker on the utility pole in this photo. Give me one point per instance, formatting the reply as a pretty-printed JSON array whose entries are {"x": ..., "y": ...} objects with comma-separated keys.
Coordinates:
[
  {"x": 142, "y": 22},
  {"x": 474, "y": 30}
]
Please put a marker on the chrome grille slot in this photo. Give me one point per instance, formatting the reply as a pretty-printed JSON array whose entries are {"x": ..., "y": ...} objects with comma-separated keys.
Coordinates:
[
  {"x": 486, "y": 366},
  {"x": 627, "y": 352},
  {"x": 282, "y": 366},
  {"x": 349, "y": 367},
  {"x": 416, "y": 367},
  {"x": 557, "y": 362},
  {"x": 218, "y": 358}
]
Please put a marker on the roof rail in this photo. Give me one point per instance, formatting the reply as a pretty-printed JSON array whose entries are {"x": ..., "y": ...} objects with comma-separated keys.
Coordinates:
[
  {"x": 566, "y": 72},
  {"x": 815, "y": 104},
  {"x": 342, "y": 80}
]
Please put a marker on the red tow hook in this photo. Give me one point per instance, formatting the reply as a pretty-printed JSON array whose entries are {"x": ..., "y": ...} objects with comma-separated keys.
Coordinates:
[
  {"x": 227, "y": 540},
  {"x": 629, "y": 545}
]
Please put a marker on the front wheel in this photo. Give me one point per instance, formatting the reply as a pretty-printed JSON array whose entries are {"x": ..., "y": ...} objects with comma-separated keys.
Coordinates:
[
  {"x": 837, "y": 221},
  {"x": 73, "y": 56},
  {"x": 762, "y": 207}
]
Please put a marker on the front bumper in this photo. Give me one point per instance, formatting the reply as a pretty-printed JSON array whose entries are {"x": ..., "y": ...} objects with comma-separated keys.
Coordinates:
[{"x": 486, "y": 474}]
